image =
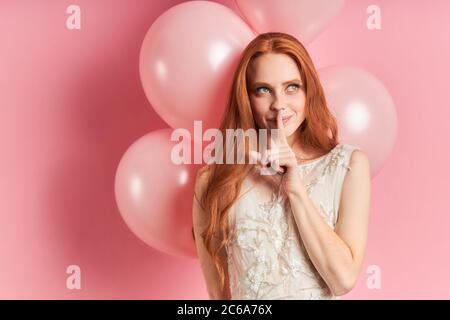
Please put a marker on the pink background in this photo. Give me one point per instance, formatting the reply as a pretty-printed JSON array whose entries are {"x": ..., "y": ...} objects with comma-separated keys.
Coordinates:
[{"x": 71, "y": 103}]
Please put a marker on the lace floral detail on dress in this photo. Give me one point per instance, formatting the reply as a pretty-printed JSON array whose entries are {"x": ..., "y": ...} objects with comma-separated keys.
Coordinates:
[
  {"x": 268, "y": 236},
  {"x": 267, "y": 258},
  {"x": 270, "y": 247},
  {"x": 335, "y": 157}
]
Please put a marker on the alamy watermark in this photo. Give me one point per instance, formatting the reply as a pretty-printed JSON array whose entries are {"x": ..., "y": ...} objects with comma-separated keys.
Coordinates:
[{"x": 235, "y": 141}]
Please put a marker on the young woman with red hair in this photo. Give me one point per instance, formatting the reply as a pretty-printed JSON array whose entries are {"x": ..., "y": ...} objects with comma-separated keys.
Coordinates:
[{"x": 299, "y": 234}]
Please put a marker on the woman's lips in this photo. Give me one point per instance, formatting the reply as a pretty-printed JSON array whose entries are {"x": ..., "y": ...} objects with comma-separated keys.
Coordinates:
[{"x": 285, "y": 119}]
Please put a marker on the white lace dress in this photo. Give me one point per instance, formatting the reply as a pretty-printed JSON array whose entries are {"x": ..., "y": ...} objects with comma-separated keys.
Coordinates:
[{"x": 266, "y": 257}]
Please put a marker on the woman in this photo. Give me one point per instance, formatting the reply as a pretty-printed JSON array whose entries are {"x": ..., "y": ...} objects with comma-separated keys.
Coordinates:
[{"x": 299, "y": 234}]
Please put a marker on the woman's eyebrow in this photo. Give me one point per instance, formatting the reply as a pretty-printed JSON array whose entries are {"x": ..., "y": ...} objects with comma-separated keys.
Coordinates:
[{"x": 260, "y": 83}]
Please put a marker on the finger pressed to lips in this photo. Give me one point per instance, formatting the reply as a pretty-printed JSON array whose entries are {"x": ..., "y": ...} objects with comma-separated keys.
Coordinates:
[{"x": 278, "y": 149}]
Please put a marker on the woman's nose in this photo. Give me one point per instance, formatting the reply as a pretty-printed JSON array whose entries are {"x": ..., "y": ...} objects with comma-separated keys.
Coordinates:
[
  {"x": 278, "y": 104},
  {"x": 277, "y": 107}
]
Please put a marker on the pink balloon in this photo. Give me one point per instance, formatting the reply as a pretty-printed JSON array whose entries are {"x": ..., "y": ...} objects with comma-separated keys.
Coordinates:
[
  {"x": 187, "y": 61},
  {"x": 154, "y": 195},
  {"x": 304, "y": 19},
  {"x": 364, "y": 109}
]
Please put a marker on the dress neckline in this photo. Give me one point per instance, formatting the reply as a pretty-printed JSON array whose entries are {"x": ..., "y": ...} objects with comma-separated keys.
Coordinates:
[{"x": 319, "y": 158}]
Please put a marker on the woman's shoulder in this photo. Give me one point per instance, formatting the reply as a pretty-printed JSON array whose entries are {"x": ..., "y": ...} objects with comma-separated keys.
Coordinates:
[
  {"x": 202, "y": 173},
  {"x": 201, "y": 179},
  {"x": 355, "y": 156},
  {"x": 355, "y": 152}
]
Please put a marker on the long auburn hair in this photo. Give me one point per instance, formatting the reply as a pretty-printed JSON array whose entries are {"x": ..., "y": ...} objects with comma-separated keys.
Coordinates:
[{"x": 318, "y": 131}]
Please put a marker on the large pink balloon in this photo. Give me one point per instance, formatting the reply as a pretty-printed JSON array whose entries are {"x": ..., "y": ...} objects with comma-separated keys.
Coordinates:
[
  {"x": 304, "y": 19},
  {"x": 364, "y": 109},
  {"x": 187, "y": 61},
  {"x": 154, "y": 195}
]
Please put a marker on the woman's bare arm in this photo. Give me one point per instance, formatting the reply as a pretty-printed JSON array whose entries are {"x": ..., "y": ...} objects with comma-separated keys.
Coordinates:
[
  {"x": 200, "y": 220},
  {"x": 337, "y": 254}
]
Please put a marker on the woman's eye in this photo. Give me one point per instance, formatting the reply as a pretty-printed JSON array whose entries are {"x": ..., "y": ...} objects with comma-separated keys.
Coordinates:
[
  {"x": 257, "y": 89},
  {"x": 296, "y": 86}
]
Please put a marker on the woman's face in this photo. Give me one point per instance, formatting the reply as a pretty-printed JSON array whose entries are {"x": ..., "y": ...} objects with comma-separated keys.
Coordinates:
[{"x": 275, "y": 83}]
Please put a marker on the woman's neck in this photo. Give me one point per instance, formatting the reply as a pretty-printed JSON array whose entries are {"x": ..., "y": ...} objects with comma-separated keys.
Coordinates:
[{"x": 303, "y": 152}]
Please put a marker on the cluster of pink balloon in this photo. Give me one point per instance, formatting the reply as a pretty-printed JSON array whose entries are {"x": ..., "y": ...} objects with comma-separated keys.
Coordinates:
[{"x": 186, "y": 65}]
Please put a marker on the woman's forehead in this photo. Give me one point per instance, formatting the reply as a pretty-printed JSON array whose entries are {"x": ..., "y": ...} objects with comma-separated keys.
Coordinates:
[{"x": 276, "y": 69}]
